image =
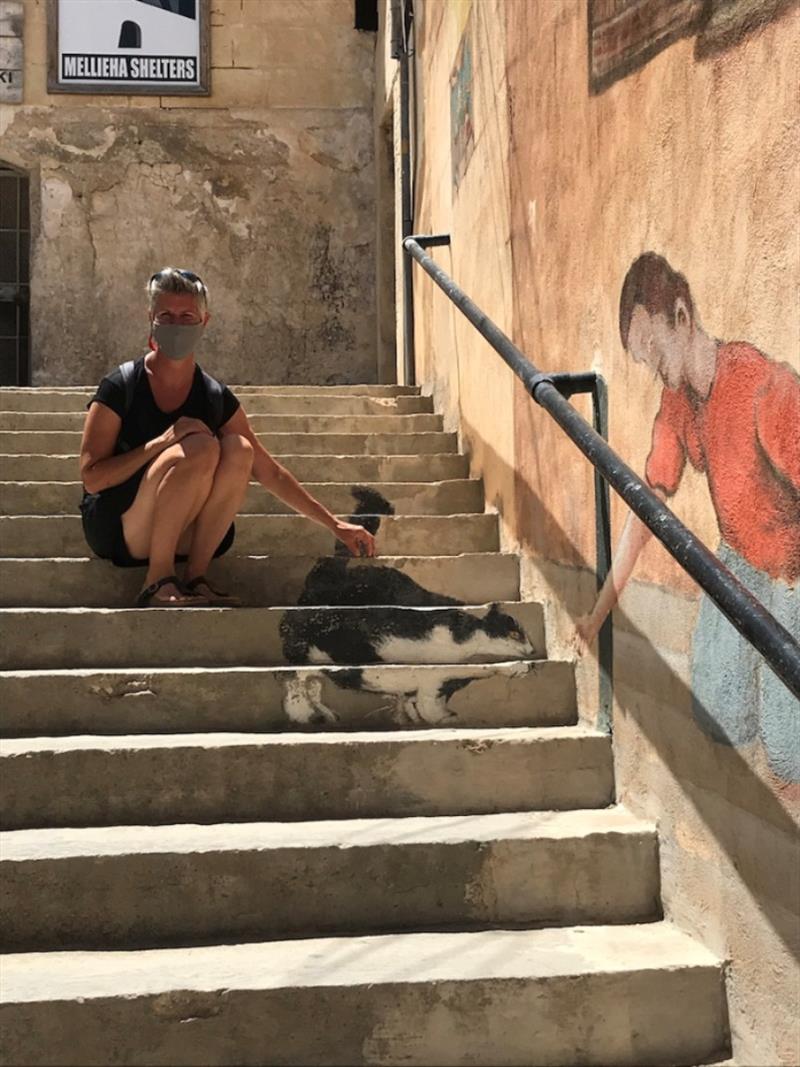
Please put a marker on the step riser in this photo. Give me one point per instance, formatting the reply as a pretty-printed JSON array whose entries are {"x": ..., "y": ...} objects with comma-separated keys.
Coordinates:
[
  {"x": 354, "y": 469},
  {"x": 197, "y": 637},
  {"x": 65, "y": 421},
  {"x": 407, "y": 498},
  {"x": 189, "y": 701},
  {"x": 18, "y": 442},
  {"x": 261, "y": 581},
  {"x": 284, "y": 782},
  {"x": 627, "y": 1019},
  {"x": 45, "y": 536},
  {"x": 254, "y": 404},
  {"x": 286, "y": 389},
  {"x": 167, "y": 898}
]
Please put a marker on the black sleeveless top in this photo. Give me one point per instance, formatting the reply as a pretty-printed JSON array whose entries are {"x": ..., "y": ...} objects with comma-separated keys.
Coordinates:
[{"x": 145, "y": 420}]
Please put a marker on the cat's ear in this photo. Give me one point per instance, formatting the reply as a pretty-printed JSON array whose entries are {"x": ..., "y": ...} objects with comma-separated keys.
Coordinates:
[{"x": 494, "y": 611}]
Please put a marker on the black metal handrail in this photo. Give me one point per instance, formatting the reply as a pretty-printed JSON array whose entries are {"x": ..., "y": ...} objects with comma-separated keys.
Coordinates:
[{"x": 743, "y": 610}]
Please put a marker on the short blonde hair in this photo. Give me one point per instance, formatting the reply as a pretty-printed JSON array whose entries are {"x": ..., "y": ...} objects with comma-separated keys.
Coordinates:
[{"x": 177, "y": 280}]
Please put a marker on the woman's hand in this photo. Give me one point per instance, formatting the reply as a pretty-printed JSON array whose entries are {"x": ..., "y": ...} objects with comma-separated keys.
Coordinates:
[
  {"x": 359, "y": 541},
  {"x": 181, "y": 428}
]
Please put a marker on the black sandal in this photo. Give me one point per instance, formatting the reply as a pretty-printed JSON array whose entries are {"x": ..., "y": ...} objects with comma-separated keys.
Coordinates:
[
  {"x": 215, "y": 598},
  {"x": 145, "y": 598}
]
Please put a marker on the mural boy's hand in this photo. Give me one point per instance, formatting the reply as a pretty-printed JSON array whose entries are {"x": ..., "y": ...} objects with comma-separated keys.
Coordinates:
[
  {"x": 359, "y": 541},
  {"x": 585, "y": 633}
]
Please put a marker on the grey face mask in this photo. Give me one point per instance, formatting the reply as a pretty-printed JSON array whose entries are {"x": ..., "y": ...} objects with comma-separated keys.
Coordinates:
[{"x": 177, "y": 342}]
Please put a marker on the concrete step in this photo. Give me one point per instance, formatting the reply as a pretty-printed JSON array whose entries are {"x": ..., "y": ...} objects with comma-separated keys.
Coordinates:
[
  {"x": 267, "y": 581},
  {"x": 38, "y": 536},
  {"x": 285, "y": 389},
  {"x": 262, "y": 424},
  {"x": 458, "y": 496},
  {"x": 67, "y": 442},
  {"x": 354, "y": 469},
  {"x": 236, "y": 777},
  {"x": 36, "y": 638},
  {"x": 176, "y": 700},
  {"x": 254, "y": 403},
  {"x": 602, "y": 996},
  {"x": 345, "y": 468},
  {"x": 147, "y": 886}
]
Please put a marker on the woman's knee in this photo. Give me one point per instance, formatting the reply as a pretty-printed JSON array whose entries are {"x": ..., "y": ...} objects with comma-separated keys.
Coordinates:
[
  {"x": 196, "y": 449},
  {"x": 201, "y": 449}
]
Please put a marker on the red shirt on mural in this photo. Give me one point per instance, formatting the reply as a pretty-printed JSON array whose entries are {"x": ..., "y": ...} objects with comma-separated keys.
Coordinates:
[{"x": 745, "y": 436}]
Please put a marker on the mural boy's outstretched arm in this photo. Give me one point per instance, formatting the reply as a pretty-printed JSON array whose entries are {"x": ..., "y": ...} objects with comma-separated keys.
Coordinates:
[{"x": 635, "y": 536}]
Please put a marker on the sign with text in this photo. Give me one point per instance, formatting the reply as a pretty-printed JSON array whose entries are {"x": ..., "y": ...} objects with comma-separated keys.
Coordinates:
[{"x": 128, "y": 46}]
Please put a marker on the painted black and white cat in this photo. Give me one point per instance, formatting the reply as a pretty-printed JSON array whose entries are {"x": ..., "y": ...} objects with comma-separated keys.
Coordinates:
[{"x": 388, "y": 634}]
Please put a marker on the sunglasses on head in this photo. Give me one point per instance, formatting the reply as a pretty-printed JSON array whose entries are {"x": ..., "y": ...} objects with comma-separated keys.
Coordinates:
[{"x": 189, "y": 275}]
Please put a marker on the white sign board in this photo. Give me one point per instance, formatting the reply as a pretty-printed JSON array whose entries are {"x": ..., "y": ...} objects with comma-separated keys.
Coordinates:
[{"x": 129, "y": 46}]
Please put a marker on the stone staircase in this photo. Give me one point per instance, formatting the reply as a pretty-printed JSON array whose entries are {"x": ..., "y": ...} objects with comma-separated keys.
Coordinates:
[{"x": 224, "y": 844}]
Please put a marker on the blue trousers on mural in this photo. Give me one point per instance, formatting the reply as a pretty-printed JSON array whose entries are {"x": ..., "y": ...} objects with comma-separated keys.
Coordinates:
[{"x": 737, "y": 697}]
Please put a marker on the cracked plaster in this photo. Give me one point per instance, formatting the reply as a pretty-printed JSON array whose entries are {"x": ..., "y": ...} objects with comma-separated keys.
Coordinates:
[{"x": 273, "y": 210}]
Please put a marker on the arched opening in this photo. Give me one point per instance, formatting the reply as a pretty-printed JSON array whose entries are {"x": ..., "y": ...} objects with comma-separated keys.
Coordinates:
[
  {"x": 130, "y": 35},
  {"x": 14, "y": 276}
]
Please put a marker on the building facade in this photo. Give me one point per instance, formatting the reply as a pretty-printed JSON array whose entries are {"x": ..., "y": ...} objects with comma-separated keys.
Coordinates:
[{"x": 264, "y": 186}]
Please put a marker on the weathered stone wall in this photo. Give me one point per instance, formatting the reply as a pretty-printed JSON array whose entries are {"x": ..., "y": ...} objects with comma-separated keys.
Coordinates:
[
  {"x": 265, "y": 187},
  {"x": 555, "y": 157}
]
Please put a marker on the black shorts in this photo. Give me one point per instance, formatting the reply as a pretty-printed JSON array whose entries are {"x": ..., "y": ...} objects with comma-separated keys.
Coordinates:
[{"x": 101, "y": 514}]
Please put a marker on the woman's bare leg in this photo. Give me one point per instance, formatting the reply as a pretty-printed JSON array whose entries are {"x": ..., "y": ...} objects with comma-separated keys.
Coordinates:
[
  {"x": 171, "y": 494},
  {"x": 231, "y": 477}
]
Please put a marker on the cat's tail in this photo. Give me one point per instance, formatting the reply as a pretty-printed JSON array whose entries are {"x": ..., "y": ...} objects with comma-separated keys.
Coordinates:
[
  {"x": 370, "y": 502},
  {"x": 370, "y": 506}
]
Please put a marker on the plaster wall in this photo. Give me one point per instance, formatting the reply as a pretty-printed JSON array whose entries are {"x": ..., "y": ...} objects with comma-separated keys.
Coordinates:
[
  {"x": 266, "y": 188},
  {"x": 472, "y": 387},
  {"x": 691, "y": 156}
]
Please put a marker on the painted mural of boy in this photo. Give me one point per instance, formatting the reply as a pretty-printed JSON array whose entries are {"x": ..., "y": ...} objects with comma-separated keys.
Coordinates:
[{"x": 735, "y": 415}]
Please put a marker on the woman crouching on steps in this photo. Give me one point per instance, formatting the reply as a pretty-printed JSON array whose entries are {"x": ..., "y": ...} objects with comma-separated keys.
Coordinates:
[{"x": 166, "y": 457}]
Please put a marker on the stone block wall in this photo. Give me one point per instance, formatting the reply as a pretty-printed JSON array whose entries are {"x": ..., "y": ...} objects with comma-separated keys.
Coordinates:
[{"x": 265, "y": 188}]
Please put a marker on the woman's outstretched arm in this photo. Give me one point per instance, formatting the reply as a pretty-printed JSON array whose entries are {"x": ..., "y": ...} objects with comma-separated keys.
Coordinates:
[{"x": 283, "y": 484}]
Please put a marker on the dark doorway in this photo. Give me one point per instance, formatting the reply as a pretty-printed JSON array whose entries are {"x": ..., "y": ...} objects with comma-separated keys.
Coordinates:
[
  {"x": 366, "y": 15},
  {"x": 15, "y": 239}
]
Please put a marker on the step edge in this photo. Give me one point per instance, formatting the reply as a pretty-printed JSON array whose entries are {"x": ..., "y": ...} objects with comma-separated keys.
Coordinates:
[{"x": 572, "y": 735}]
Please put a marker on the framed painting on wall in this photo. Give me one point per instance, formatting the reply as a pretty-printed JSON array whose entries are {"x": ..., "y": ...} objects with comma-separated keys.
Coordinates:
[
  {"x": 462, "y": 133},
  {"x": 128, "y": 46},
  {"x": 626, "y": 34}
]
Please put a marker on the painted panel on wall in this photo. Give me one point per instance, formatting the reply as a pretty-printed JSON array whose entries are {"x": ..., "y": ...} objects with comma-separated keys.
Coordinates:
[
  {"x": 462, "y": 133},
  {"x": 733, "y": 414},
  {"x": 625, "y": 34}
]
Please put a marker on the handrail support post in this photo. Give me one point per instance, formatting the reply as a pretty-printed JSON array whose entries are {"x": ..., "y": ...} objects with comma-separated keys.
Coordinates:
[{"x": 593, "y": 383}]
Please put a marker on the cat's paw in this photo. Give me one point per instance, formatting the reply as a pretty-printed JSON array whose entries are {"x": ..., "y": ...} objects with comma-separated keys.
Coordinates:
[
  {"x": 302, "y": 701},
  {"x": 322, "y": 714},
  {"x": 521, "y": 668},
  {"x": 433, "y": 711}
]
